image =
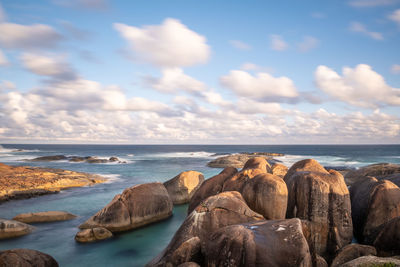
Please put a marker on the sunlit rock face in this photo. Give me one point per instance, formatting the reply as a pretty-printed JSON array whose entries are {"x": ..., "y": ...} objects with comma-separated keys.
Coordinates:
[{"x": 182, "y": 187}]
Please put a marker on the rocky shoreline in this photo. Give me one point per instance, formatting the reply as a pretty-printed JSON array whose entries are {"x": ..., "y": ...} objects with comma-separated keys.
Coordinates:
[
  {"x": 265, "y": 214},
  {"x": 26, "y": 182}
]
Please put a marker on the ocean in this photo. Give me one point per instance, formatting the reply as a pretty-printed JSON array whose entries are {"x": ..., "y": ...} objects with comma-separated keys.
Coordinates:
[{"x": 144, "y": 163}]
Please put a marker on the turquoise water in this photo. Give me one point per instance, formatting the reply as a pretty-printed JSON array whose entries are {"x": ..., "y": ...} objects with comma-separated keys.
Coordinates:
[{"x": 144, "y": 164}]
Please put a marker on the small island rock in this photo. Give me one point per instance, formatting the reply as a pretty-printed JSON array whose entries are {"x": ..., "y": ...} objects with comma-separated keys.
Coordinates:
[
  {"x": 92, "y": 235},
  {"x": 10, "y": 229},
  {"x": 45, "y": 216}
]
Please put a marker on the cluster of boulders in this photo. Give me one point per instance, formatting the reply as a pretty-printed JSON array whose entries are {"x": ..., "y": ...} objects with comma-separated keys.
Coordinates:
[
  {"x": 262, "y": 215},
  {"x": 87, "y": 159}
]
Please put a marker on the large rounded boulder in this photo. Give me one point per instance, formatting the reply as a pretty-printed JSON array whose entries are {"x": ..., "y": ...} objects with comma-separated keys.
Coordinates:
[
  {"x": 182, "y": 187},
  {"x": 266, "y": 194},
  {"x": 10, "y": 229},
  {"x": 279, "y": 169},
  {"x": 379, "y": 170},
  {"x": 267, "y": 243},
  {"x": 26, "y": 258},
  {"x": 321, "y": 199},
  {"x": 137, "y": 206},
  {"x": 372, "y": 261},
  {"x": 351, "y": 252},
  {"x": 217, "y": 211},
  {"x": 210, "y": 187},
  {"x": 374, "y": 203},
  {"x": 388, "y": 240}
]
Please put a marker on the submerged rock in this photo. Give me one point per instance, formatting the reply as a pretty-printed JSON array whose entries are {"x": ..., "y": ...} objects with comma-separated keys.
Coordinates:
[
  {"x": 26, "y": 258},
  {"x": 182, "y": 187},
  {"x": 10, "y": 229},
  {"x": 137, "y": 206},
  {"x": 217, "y": 211},
  {"x": 45, "y": 216},
  {"x": 321, "y": 199},
  {"x": 50, "y": 158},
  {"x": 210, "y": 187},
  {"x": 92, "y": 235},
  {"x": 267, "y": 243}
]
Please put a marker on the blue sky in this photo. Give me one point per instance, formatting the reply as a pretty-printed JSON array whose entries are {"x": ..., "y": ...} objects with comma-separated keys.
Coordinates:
[{"x": 200, "y": 71}]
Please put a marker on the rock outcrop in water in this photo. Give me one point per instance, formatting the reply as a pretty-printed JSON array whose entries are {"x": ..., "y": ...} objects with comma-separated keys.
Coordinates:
[
  {"x": 239, "y": 160},
  {"x": 11, "y": 229},
  {"x": 45, "y": 216},
  {"x": 182, "y": 187},
  {"x": 26, "y": 258},
  {"x": 88, "y": 159},
  {"x": 26, "y": 182},
  {"x": 137, "y": 206},
  {"x": 321, "y": 199},
  {"x": 267, "y": 243},
  {"x": 215, "y": 212},
  {"x": 93, "y": 235}
]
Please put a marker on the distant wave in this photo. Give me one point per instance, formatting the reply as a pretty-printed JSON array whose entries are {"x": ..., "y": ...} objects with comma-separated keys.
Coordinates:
[
  {"x": 331, "y": 161},
  {"x": 194, "y": 154},
  {"x": 111, "y": 178}
]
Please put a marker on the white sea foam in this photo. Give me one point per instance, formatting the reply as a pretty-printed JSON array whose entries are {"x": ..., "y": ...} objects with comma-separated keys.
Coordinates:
[
  {"x": 111, "y": 178},
  {"x": 332, "y": 161},
  {"x": 194, "y": 154}
]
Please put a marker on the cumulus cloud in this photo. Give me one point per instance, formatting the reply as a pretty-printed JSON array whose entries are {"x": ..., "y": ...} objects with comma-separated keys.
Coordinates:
[
  {"x": 36, "y": 36},
  {"x": 55, "y": 66},
  {"x": 169, "y": 45},
  {"x": 277, "y": 43},
  {"x": 3, "y": 59},
  {"x": 360, "y": 28},
  {"x": 262, "y": 86},
  {"x": 240, "y": 45},
  {"x": 395, "y": 69},
  {"x": 395, "y": 16},
  {"x": 372, "y": 3},
  {"x": 174, "y": 80},
  {"x": 360, "y": 86},
  {"x": 308, "y": 43}
]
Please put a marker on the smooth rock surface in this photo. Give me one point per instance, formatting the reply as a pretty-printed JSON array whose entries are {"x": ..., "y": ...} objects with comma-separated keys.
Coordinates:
[
  {"x": 26, "y": 258},
  {"x": 93, "y": 235},
  {"x": 217, "y": 211},
  {"x": 210, "y": 187},
  {"x": 45, "y": 216},
  {"x": 136, "y": 206},
  {"x": 321, "y": 199},
  {"x": 388, "y": 240},
  {"x": 379, "y": 170},
  {"x": 182, "y": 187},
  {"x": 267, "y": 243},
  {"x": 10, "y": 229},
  {"x": 372, "y": 261},
  {"x": 279, "y": 169},
  {"x": 351, "y": 252}
]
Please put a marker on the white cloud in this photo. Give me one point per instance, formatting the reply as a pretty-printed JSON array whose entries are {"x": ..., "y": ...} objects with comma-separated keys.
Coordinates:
[
  {"x": 277, "y": 43},
  {"x": 54, "y": 66},
  {"x": 307, "y": 44},
  {"x": 249, "y": 66},
  {"x": 372, "y": 3},
  {"x": 395, "y": 16},
  {"x": 360, "y": 28},
  {"x": 3, "y": 59},
  {"x": 171, "y": 44},
  {"x": 174, "y": 80},
  {"x": 360, "y": 86},
  {"x": 263, "y": 86},
  {"x": 16, "y": 36},
  {"x": 240, "y": 45},
  {"x": 3, "y": 16},
  {"x": 395, "y": 69}
]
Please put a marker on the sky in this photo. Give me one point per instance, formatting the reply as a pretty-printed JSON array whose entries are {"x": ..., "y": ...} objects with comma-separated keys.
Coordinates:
[{"x": 200, "y": 72}]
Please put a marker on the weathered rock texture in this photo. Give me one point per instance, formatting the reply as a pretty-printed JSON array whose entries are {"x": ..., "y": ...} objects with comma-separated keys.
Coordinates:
[
  {"x": 279, "y": 170},
  {"x": 137, "y": 206},
  {"x": 388, "y": 240},
  {"x": 217, "y": 211},
  {"x": 26, "y": 182},
  {"x": 239, "y": 160},
  {"x": 45, "y": 216},
  {"x": 373, "y": 204},
  {"x": 322, "y": 200},
  {"x": 267, "y": 243},
  {"x": 210, "y": 187},
  {"x": 182, "y": 187},
  {"x": 379, "y": 170},
  {"x": 372, "y": 261},
  {"x": 351, "y": 252},
  {"x": 10, "y": 229},
  {"x": 26, "y": 258},
  {"x": 92, "y": 235}
]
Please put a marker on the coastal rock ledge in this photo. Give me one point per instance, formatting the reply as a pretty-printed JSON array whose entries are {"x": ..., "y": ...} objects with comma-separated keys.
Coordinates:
[
  {"x": 26, "y": 182},
  {"x": 45, "y": 216},
  {"x": 239, "y": 160}
]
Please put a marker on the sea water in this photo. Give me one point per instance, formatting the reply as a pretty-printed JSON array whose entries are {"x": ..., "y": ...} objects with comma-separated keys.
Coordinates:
[{"x": 144, "y": 163}]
